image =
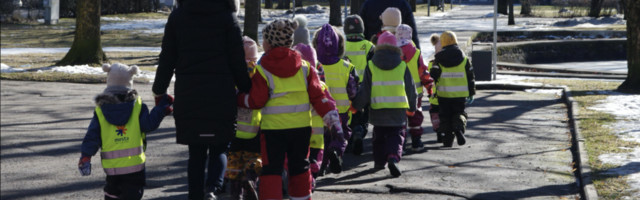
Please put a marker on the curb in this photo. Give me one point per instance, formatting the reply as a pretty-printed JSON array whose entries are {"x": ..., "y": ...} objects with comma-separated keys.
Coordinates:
[{"x": 580, "y": 158}]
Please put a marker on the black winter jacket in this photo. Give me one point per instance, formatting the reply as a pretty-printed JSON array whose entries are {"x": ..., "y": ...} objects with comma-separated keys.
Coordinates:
[
  {"x": 372, "y": 9},
  {"x": 202, "y": 45},
  {"x": 451, "y": 56}
]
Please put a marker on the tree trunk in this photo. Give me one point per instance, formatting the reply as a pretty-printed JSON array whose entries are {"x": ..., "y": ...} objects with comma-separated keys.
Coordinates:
[
  {"x": 251, "y": 18},
  {"x": 511, "y": 14},
  {"x": 414, "y": 6},
  {"x": 86, "y": 47},
  {"x": 526, "y": 7},
  {"x": 335, "y": 16},
  {"x": 298, "y": 3},
  {"x": 596, "y": 6},
  {"x": 284, "y": 4},
  {"x": 502, "y": 7},
  {"x": 355, "y": 6},
  {"x": 268, "y": 4},
  {"x": 632, "y": 15}
]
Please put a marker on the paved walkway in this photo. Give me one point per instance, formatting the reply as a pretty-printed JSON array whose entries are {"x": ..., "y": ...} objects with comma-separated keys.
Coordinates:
[{"x": 518, "y": 147}]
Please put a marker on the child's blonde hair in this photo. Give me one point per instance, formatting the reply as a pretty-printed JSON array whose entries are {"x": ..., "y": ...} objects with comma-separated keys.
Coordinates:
[{"x": 435, "y": 38}]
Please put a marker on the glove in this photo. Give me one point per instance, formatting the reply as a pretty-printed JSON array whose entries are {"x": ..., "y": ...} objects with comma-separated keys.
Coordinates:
[
  {"x": 160, "y": 97},
  {"x": 410, "y": 114},
  {"x": 84, "y": 165},
  {"x": 429, "y": 88},
  {"x": 165, "y": 99},
  {"x": 469, "y": 100},
  {"x": 332, "y": 120}
]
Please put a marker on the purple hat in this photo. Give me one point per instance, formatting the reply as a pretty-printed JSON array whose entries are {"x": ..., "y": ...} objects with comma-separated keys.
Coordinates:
[{"x": 327, "y": 45}]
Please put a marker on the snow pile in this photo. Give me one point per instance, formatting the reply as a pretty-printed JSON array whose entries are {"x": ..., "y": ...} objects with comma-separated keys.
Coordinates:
[
  {"x": 14, "y": 51},
  {"x": 76, "y": 69},
  {"x": 146, "y": 25},
  {"x": 557, "y": 92},
  {"x": 591, "y": 22},
  {"x": 626, "y": 108},
  {"x": 8, "y": 69}
]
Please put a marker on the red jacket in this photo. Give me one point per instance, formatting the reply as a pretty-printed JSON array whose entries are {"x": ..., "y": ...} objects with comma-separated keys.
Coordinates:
[
  {"x": 408, "y": 51},
  {"x": 284, "y": 62}
]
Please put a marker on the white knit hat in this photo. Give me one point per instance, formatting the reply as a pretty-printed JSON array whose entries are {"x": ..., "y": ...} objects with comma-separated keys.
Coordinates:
[
  {"x": 119, "y": 76},
  {"x": 404, "y": 34},
  {"x": 391, "y": 18}
]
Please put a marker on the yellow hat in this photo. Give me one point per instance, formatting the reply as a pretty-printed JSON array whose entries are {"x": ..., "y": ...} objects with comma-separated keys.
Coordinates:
[{"x": 448, "y": 38}]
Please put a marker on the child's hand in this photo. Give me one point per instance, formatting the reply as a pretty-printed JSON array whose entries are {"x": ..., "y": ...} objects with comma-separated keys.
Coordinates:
[
  {"x": 84, "y": 165},
  {"x": 410, "y": 114},
  {"x": 469, "y": 100}
]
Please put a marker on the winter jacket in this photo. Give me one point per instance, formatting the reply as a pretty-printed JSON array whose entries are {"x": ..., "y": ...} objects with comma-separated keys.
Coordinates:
[
  {"x": 372, "y": 9},
  {"x": 358, "y": 39},
  {"x": 386, "y": 57},
  {"x": 117, "y": 111},
  {"x": 452, "y": 56},
  {"x": 408, "y": 51},
  {"x": 203, "y": 46},
  {"x": 284, "y": 62}
]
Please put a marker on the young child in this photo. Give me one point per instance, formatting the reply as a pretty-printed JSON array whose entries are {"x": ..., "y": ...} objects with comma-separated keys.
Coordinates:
[
  {"x": 359, "y": 51},
  {"x": 244, "y": 163},
  {"x": 301, "y": 34},
  {"x": 388, "y": 87},
  {"x": 341, "y": 78},
  {"x": 391, "y": 18},
  {"x": 283, "y": 87},
  {"x": 118, "y": 127},
  {"x": 413, "y": 57},
  {"x": 434, "y": 108},
  {"x": 455, "y": 82}
]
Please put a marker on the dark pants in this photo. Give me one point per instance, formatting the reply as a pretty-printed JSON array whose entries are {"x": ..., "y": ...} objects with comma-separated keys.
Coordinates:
[
  {"x": 360, "y": 123},
  {"x": 387, "y": 143},
  {"x": 452, "y": 115},
  {"x": 126, "y": 186},
  {"x": 415, "y": 122},
  {"x": 275, "y": 144},
  {"x": 198, "y": 156}
]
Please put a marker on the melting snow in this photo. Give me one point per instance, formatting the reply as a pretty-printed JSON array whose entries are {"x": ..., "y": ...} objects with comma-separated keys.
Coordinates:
[{"x": 8, "y": 69}]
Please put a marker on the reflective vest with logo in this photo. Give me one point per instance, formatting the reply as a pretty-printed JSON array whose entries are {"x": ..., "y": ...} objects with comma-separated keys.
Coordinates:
[
  {"x": 122, "y": 146},
  {"x": 387, "y": 87},
  {"x": 453, "y": 81},
  {"x": 248, "y": 123},
  {"x": 433, "y": 100},
  {"x": 357, "y": 54},
  {"x": 337, "y": 76},
  {"x": 317, "y": 131},
  {"x": 288, "y": 105},
  {"x": 413, "y": 68}
]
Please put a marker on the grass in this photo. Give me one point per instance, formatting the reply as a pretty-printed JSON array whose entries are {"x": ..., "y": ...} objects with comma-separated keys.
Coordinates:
[
  {"x": 61, "y": 77},
  {"x": 599, "y": 138},
  {"x": 145, "y": 60},
  {"x": 553, "y": 11}
]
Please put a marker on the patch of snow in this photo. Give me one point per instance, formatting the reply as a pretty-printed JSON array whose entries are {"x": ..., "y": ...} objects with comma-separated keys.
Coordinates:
[
  {"x": 112, "y": 19},
  {"x": 14, "y": 51},
  {"x": 7, "y": 69},
  {"x": 557, "y": 92},
  {"x": 76, "y": 69},
  {"x": 147, "y": 25}
]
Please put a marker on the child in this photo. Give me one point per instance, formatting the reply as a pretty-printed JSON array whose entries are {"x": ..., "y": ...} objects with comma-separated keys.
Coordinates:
[
  {"x": 118, "y": 127},
  {"x": 434, "y": 108},
  {"x": 341, "y": 78},
  {"x": 301, "y": 34},
  {"x": 421, "y": 77},
  {"x": 391, "y": 18},
  {"x": 455, "y": 82},
  {"x": 359, "y": 51},
  {"x": 244, "y": 163},
  {"x": 284, "y": 87},
  {"x": 388, "y": 87}
]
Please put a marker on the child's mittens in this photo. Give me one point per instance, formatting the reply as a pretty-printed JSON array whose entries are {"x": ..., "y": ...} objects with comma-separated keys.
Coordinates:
[
  {"x": 410, "y": 114},
  {"x": 332, "y": 120},
  {"x": 429, "y": 88},
  {"x": 84, "y": 165},
  {"x": 165, "y": 100}
]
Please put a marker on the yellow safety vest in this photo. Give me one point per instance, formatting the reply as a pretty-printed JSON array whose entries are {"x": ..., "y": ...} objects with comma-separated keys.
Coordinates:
[
  {"x": 433, "y": 100},
  {"x": 122, "y": 146},
  {"x": 337, "y": 76},
  {"x": 317, "y": 127},
  {"x": 357, "y": 54},
  {"x": 248, "y": 123},
  {"x": 387, "y": 87},
  {"x": 413, "y": 68},
  {"x": 288, "y": 105},
  {"x": 453, "y": 81}
]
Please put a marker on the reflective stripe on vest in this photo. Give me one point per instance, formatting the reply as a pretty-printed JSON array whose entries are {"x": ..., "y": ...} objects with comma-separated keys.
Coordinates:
[
  {"x": 122, "y": 146},
  {"x": 288, "y": 105},
  {"x": 337, "y": 77},
  {"x": 387, "y": 87},
  {"x": 248, "y": 123},
  {"x": 413, "y": 68},
  {"x": 357, "y": 54},
  {"x": 453, "y": 81},
  {"x": 433, "y": 100}
]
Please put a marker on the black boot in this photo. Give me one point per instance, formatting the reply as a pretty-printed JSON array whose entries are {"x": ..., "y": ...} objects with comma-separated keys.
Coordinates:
[
  {"x": 416, "y": 144},
  {"x": 439, "y": 137},
  {"x": 447, "y": 139},
  {"x": 235, "y": 189},
  {"x": 460, "y": 138},
  {"x": 357, "y": 145},
  {"x": 335, "y": 163},
  {"x": 393, "y": 167}
]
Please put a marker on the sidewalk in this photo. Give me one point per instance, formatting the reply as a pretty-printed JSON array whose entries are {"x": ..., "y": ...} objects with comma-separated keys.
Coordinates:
[{"x": 517, "y": 147}]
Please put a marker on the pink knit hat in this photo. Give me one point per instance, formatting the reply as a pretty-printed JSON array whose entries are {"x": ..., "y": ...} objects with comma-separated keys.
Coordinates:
[
  {"x": 307, "y": 53},
  {"x": 387, "y": 38},
  {"x": 403, "y": 34},
  {"x": 250, "y": 49}
]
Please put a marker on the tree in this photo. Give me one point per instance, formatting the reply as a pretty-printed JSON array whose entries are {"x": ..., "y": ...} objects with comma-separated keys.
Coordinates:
[
  {"x": 86, "y": 47},
  {"x": 251, "y": 18},
  {"x": 268, "y": 4},
  {"x": 632, "y": 15},
  {"x": 525, "y": 9},
  {"x": 335, "y": 16},
  {"x": 596, "y": 6},
  {"x": 284, "y": 4},
  {"x": 413, "y": 5},
  {"x": 355, "y": 6},
  {"x": 502, "y": 6},
  {"x": 298, "y": 3},
  {"x": 511, "y": 15}
]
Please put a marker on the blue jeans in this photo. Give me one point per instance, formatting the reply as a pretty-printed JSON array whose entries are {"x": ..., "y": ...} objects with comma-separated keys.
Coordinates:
[{"x": 198, "y": 154}]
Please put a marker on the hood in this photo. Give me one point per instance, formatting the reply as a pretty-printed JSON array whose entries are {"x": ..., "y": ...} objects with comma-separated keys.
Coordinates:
[
  {"x": 450, "y": 56},
  {"x": 116, "y": 107},
  {"x": 206, "y": 6},
  {"x": 408, "y": 51},
  {"x": 281, "y": 61},
  {"x": 387, "y": 57}
]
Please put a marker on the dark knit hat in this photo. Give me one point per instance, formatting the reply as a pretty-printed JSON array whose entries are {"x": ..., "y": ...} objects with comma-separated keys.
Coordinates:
[
  {"x": 279, "y": 33},
  {"x": 353, "y": 25}
]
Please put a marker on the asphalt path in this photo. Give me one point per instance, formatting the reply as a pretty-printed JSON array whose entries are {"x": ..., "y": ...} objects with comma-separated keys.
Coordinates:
[{"x": 518, "y": 148}]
